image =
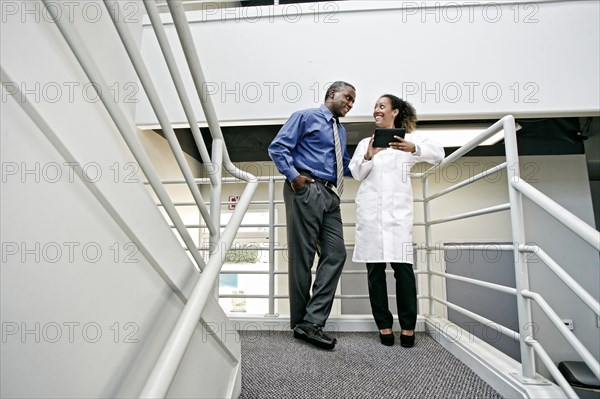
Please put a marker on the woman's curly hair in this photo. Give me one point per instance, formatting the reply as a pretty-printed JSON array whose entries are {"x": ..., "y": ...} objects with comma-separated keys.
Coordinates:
[{"x": 407, "y": 117}]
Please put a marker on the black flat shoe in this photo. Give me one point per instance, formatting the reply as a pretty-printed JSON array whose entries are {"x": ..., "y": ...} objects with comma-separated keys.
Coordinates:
[
  {"x": 387, "y": 339},
  {"x": 313, "y": 334},
  {"x": 407, "y": 341}
]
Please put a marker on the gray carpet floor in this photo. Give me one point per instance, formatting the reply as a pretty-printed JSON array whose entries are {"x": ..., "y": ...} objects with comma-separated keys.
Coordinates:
[{"x": 275, "y": 365}]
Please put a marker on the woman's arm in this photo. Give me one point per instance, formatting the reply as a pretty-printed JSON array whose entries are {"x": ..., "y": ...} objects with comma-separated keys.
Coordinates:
[
  {"x": 427, "y": 150},
  {"x": 360, "y": 166}
]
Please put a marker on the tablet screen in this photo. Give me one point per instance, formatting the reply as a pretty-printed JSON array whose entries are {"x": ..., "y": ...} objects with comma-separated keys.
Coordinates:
[{"x": 383, "y": 137}]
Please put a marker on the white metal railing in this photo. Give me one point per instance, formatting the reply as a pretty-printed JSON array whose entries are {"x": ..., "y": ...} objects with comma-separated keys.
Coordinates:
[
  {"x": 579, "y": 227},
  {"x": 84, "y": 58},
  {"x": 161, "y": 377},
  {"x": 529, "y": 345},
  {"x": 558, "y": 377},
  {"x": 270, "y": 245},
  {"x": 525, "y": 297},
  {"x": 164, "y": 371},
  {"x": 516, "y": 189}
]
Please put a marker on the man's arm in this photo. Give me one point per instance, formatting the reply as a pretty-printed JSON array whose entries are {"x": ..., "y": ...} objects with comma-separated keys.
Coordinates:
[{"x": 280, "y": 150}]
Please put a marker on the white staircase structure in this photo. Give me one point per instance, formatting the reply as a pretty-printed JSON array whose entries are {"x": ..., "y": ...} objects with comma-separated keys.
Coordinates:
[{"x": 100, "y": 299}]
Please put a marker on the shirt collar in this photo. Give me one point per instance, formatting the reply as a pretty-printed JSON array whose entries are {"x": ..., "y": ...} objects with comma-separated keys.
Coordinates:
[{"x": 328, "y": 114}]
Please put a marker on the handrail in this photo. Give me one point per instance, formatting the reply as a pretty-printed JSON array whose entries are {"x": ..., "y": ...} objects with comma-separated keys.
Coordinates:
[
  {"x": 516, "y": 187},
  {"x": 496, "y": 287},
  {"x": 193, "y": 61},
  {"x": 484, "y": 211},
  {"x": 497, "y": 247},
  {"x": 345, "y": 272},
  {"x": 579, "y": 227},
  {"x": 161, "y": 35},
  {"x": 564, "y": 276},
  {"x": 89, "y": 67},
  {"x": 159, "y": 110},
  {"x": 468, "y": 181},
  {"x": 164, "y": 371},
  {"x": 486, "y": 134},
  {"x": 587, "y": 357},
  {"x": 558, "y": 377},
  {"x": 337, "y": 296},
  {"x": 201, "y": 180},
  {"x": 506, "y": 331}
]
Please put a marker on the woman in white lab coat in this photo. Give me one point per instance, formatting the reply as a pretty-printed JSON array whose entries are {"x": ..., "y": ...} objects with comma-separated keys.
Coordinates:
[{"x": 384, "y": 214}]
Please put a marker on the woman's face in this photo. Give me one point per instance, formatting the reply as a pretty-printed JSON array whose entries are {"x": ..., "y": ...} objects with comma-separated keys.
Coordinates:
[{"x": 384, "y": 114}]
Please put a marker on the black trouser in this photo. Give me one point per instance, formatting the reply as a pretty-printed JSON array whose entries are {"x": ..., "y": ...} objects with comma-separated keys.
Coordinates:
[
  {"x": 314, "y": 223},
  {"x": 406, "y": 295}
]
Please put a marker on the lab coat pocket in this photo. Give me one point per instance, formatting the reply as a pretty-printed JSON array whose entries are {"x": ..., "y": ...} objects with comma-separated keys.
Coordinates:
[
  {"x": 367, "y": 207},
  {"x": 402, "y": 208}
]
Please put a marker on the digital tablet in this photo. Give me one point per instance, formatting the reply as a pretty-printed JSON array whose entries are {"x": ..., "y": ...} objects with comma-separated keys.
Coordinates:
[{"x": 383, "y": 137}]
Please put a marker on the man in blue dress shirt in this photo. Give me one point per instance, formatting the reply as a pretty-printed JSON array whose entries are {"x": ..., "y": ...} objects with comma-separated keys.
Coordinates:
[{"x": 304, "y": 151}]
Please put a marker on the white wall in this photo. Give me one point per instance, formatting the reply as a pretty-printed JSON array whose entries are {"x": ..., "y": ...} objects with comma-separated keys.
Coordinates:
[
  {"x": 84, "y": 313},
  {"x": 166, "y": 166},
  {"x": 592, "y": 153},
  {"x": 455, "y": 60}
]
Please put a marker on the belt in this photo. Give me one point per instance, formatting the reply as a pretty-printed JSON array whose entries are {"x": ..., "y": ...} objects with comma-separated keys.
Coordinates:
[{"x": 324, "y": 182}]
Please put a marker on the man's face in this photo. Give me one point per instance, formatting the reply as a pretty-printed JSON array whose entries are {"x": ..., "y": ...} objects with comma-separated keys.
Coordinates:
[{"x": 341, "y": 102}]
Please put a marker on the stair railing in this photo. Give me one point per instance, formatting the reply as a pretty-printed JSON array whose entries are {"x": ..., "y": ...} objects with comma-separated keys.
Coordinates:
[
  {"x": 517, "y": 187},
  {"x": 166, "y": 367}
]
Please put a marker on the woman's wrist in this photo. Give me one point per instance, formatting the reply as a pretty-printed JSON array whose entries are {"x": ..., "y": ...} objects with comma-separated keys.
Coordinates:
[{"x": 367, "y": 158}]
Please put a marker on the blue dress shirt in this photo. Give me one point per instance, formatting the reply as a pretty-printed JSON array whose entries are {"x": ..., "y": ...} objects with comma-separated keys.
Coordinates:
[{"x": 305, "y": 142}]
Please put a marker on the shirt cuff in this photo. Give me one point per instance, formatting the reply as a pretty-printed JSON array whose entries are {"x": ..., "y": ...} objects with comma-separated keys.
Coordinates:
[
  {"x": 417, "y": 152},
  {"x": 292, "y": 174}
]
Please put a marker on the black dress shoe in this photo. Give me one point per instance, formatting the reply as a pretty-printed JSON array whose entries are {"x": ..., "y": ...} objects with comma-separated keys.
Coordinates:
[
  {"x": 407, "y": 341},
  {"x": 313, "y": 333},
  {"x": 387, "y": 339}
]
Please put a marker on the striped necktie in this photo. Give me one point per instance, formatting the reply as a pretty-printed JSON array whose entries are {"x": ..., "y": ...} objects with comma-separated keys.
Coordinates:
[{"x": 339, "y": 159}]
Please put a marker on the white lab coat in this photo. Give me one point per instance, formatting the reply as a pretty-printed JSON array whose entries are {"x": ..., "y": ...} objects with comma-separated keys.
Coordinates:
[{"x": 384, "y": 202}]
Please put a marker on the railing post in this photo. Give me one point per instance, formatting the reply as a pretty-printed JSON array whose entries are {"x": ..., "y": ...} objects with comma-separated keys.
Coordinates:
[
  {"x": 271, "y": 246},
  {"x": 518, "y": 234},
  {"x": 426, "y": 218},
  {"x": 215, "y": 204}
]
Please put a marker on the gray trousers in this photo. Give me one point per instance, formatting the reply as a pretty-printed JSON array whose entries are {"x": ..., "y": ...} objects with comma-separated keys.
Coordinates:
[{"x": 314, "y": 223}]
